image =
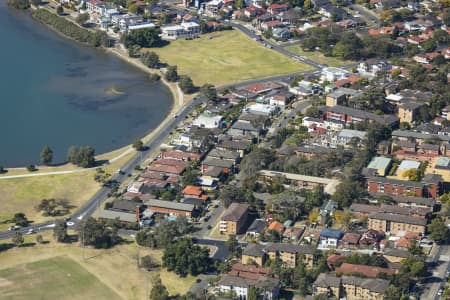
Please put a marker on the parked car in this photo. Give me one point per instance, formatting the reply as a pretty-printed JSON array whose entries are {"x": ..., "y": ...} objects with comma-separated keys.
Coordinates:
[{"x": 13, "y": 228}]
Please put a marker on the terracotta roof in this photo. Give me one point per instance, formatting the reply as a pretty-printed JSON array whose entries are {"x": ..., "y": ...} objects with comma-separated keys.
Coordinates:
[
  {"x": 242, "y": 270},
  {"x": 171, "y": 162},
  {"x": 192, "y": 190},
  {"x": 351, "y": 238},
  {"x": 275, "y": 226},
  {"x": 166, "y": 169},
  {"x": 180, "y": 155},
  {"x": 368, "y": 271},
  {"x": 402, "y": 243}
]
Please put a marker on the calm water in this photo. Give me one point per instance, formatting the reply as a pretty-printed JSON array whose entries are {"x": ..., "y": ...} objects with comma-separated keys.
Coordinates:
[{"x": 56, "y": 92}]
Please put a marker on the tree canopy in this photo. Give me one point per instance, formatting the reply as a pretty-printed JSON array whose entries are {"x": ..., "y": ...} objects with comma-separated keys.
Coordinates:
[{"x": 183, "y": 257}]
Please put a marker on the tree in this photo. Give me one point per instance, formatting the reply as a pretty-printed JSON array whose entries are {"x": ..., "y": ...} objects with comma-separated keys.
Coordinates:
[
  {"x": 60, "y": 231},
  {"x": 232, "y": 245},
  {"x": 20, "y": 219},
  {"x": 393, "y": 293},
  {"x": 183, "y": 257},
  {"x": 83, "y": 157},
  {"x": 39, "y": 239},
  {"x": 36, "y": 2},
  {"x": 252, "y": 293},
  {"x": 171, "y": 74},
  {"x": 2, "y": 169},
  {"x": 148, "y": 263},
  {"x": 134, "y": 50},
  {"x": 145, "y": 38},
  {"x": 209, "y": 92},
  {"x": 98, "y": 234},
  {"x": 138, "y": 145},
  {"x": 82, "y": 18},
  {"x": 60, "y": 10},
  {"x": 46, "y": 155},
  {"x": 439, "y": 231},
  {"x": 159, "y": 291},
  {"x": 186, "y": 84},
  {"x": 18, "y": 239},
  {"x": 31, "y": 168},
  {"x": 53, "y": 207},
  {"x": 150, "y": 59},
  {"x": 19, "y": 4}
]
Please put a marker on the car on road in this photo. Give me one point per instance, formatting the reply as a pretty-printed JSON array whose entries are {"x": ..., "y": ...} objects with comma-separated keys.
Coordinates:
[
  {"x": 70, "y": 223},
  {"x": 440, "y": 292},
  {"x": 13, "y": 228},
  {"x": 30, "y": 231}
]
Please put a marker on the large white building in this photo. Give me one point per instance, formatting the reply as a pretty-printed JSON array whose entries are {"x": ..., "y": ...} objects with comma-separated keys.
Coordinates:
[
  {"x": 206, "y": 120},
  {"x": 332, "y": 74},
  {"x": 184, "y": 30}
]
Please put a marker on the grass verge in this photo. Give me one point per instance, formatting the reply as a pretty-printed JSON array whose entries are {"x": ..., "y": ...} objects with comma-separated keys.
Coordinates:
[{"x": 319, "y": 57}]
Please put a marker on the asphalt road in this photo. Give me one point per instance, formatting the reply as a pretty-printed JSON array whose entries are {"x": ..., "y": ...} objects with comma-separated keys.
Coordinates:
[
  {"x": 365, "y": 13},
  {"x": 441, "y": 263},
  {"x": 97, "y": 200}
]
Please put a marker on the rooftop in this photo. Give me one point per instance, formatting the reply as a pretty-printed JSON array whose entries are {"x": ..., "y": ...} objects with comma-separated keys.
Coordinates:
[
  {"x": 369, "y": 271},
  {"x": 398, "y": 218},
  {"x": 235, "y": 212},
  {"x": 170, "y": 205},
  {"x": 379, "y": 163}
]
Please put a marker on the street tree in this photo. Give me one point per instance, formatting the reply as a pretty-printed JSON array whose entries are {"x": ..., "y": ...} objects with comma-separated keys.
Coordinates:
[
  {"x": 439, "y": 231},
  {"x": 186, "y": 84},
  {"x": 60, "y": 231},
  {"x": 20, "y": 219},
  {"x": 60, "y": 10},
  {"x": 39, "y": 239},
  {"x": 46, "y": 155},
  {"x": 36, "y": 2},
  {"x": 209, "y": 92},
  {"x": 138, "y": 145},
  {"x": 17, "y": 239}
]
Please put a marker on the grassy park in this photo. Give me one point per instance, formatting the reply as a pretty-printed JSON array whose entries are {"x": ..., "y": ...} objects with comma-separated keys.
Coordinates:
[
  {"x": 319, "y": 57},
  {"x": 226, "y": 57},
  {"x": 61, "y": 272},
  {"x": 23, "y": 194}
]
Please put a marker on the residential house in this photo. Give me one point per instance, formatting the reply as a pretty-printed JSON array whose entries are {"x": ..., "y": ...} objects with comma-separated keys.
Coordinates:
[
  {"x": 329, "y": 238},
  {"x": 372, "y": 67},
  {"x": 191, "y": 191},
  {"x": 327, "y": 284},
  {"x": 186, "y": 30},
  {"x": 326, "y": 211},
  {"x": 276, "y": 8},
  {"x": 395, "y": 255},
  {"x": 275, "y": 226},
  {"x": 257, "y": 228},
  {"x": 235, "y": 219},
  {"x": 332, "y": 74},
  {"x": 213, "y": 7},
  {"x": 281, "y": 33},
  {"x": 380, "y": 164},
  {"x": 208, "y": 120},
  {"x": 239, "y": 145}
]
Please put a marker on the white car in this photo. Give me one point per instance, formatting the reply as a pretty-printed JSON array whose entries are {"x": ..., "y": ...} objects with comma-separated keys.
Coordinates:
[
  {"x": 30, "y": 231},
  {"x": 70, "y": 223},
  {"x": 440, "y": 292}
]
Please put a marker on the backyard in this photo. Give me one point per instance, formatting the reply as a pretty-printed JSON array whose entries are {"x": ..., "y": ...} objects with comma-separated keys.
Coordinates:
[{"x": 226, "y": 57}]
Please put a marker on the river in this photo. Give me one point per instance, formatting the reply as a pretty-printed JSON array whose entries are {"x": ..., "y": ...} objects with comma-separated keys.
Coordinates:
[{"x": 59, "y": 93}]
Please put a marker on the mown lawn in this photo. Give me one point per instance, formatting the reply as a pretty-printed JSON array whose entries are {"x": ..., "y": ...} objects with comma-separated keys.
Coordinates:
[
  {"x": 226, "y": 57},
  {"x": 319, "y": 57},
  {"x": 54, "y": 278}
]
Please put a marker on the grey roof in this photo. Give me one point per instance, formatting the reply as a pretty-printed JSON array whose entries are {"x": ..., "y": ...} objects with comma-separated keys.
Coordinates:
[
  {"x": 235, "y": 212},
  {"x": 395, "y": 209},
  {"x": 396, "y": 252},
  {"x": 263, "y": 281},
  {"x": 326, "y": 280},
  {"x": 170, "y": 205},
  {"x": 242, "y": 125},
  {"x": 193, "y": 201},
  {"x": 224, "y": 154},
  {"x": 290, "y": 248},
  {"x": 364, "y": 208},
  {"x": 405, "y": 144},
  {"x": 258, "y": 226},
  {"x": 125, "y": 205},
  {"x": 379, "y": 162},
  {"x": 398, "y": 218},
  {"x": 420, "y": 136},
  {"x": 117, "y": 215},
  {"x": 432, "y": 147},
  {"x": 349, "y": 133},
  {"x": 213, "y": 171},
  {"x": 406, "y": 183},
  {"x": 432, "y": 178},
  {"x": 384, "y": 119},
  {"x": 374, "y": 285},
  {"x": 410, "y": 105},
  {"x": 253, "y": 249},
  {"x": 217, "y": 162},
  {"x": 234, "y": 144},
  {"x": 428, "y": 128},
  {"x": 343, "y": 92},
  {"x": 429, "y": 202}
]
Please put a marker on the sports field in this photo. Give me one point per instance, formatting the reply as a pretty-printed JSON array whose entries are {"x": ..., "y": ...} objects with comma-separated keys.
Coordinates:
[
  {"x": 226, "y": 57},
  {"x": 54, "y": 278}
]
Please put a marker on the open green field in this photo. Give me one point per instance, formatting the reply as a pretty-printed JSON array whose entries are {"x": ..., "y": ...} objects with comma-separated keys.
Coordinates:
[
  {"x": 114, "y": 269},
  {"x": 319, "y": 57},
  {"x": 226, "y": 57},
  {"x": 23, "y": 194},
  {"x": 54, "y": 278}
]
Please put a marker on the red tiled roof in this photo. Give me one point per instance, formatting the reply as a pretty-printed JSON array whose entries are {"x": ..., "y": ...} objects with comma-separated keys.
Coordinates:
[
  {"x": 278, "y": 6},
  {"x": 368, "y": 271},
  {"x": 192, "y": 190},
  {"x": 180, "y": 155},
  {"x": 351, "y": 238},
  {"x": 166, "y": 169},
  {"x": 171, "y": 162},
  {"x": 403, "y": 243},
  {"x": 275, "y": 226}
]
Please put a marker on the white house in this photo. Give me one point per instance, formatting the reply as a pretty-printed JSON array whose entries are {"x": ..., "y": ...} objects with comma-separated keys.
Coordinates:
[
  {"x": 206, "y": 120},
  {"x": 184, "y": 30},
  {"x": 332, "y": 74},
  {"x": 261, "y": 109},
  {"x": 370, "y": 68},
  {"x": 269, "y": 287},
  {"x": 309, "y": 121},
  {"x": 135, "y": 187},
  {"x": 212, "y": 7},
  {"x": 329, "y": 238}
]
